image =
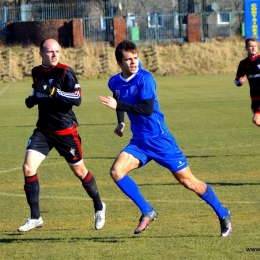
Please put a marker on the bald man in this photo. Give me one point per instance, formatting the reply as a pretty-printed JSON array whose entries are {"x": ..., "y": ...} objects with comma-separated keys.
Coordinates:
[{"x": 55, "y": 91}]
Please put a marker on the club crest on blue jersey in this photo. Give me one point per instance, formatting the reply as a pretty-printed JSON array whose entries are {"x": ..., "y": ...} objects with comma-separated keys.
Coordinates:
[
  {"x": 117, "y": 93},
  {"x": 133, "y": 90},
  {"x": 126, "y": 93}
]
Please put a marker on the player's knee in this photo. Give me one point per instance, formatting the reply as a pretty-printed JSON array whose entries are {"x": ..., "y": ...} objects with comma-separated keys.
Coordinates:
[
  {"x": 28, "y": 170},
  {"x": 115, "y": 174},
  {"x": 79, "y": 172}
]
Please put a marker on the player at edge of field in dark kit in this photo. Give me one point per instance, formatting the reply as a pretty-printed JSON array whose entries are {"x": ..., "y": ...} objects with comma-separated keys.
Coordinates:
[
  {"x": 134, "y": 92},
  {"x": 250, "y": 68},
  {"x": 55, "y": 90}
]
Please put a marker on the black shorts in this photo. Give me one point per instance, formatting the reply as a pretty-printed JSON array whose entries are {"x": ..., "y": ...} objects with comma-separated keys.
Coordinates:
[{"x": 68, "y": 146}]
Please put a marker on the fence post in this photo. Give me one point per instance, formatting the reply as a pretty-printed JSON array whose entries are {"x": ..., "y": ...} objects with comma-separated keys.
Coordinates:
[
  {"x": 77, "y": 32},
  {"x": 193, "y": 30},
  {"x": 119, "y": 27}
]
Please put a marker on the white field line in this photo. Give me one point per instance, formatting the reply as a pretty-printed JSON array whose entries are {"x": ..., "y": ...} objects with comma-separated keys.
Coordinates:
[
  {"x": 82, "y": 198},
  {"x": 221, "y": 147},
  {"x": 4, "y": 90},
  {"x": 123, "y": 200},
  {"x": 206, "y": 148},
  {"x": 20, "y": 168}
]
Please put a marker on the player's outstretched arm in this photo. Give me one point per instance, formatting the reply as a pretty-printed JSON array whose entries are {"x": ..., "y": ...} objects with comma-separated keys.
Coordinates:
[{"x": 108, "y": 101}]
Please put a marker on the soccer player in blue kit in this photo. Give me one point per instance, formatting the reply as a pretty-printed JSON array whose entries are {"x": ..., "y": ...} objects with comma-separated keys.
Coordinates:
[{"x": 134, "y": 92}]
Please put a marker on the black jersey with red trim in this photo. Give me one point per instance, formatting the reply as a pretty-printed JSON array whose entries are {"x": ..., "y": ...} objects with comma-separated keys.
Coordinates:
[
  {"x": 250, "y": 67},
  {"x": 55, "y": 112}
]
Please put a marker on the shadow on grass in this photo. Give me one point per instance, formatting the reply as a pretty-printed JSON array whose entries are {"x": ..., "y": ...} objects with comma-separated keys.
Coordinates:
[
  {"x": 232, "y": 184},
  {"x": 210, "y": 183},
  {"x": 113, "y": 239},
  {"x": 70, "y": 240},
  {"x": 60, "y": 159},
  {"x": 114, "y": 157}
]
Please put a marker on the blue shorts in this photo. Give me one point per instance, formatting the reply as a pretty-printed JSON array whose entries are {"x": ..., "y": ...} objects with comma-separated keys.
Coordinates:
[{"x": 162, "y": 149}]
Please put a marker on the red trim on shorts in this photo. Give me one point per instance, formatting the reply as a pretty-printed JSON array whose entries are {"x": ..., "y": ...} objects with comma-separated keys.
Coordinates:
[
  {"x": 75, "y": 137},
  {"x": 255, "y": 98},
  {"x": 66, "y": 131}
]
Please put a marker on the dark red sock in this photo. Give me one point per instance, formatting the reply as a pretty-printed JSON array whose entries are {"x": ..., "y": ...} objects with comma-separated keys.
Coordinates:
[
  {"x": 89, "y": 184},
  {"x": 32, "y": 190}
]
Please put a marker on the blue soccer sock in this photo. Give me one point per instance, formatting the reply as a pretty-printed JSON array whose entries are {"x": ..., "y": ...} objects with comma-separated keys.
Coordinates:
[
  {"x": 130, "y": 188},
  {"x": 210, "y": 198}
]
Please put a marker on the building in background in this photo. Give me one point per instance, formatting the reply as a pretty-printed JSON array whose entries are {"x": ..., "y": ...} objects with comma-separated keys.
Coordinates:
[{"x": 146, "y": 20}]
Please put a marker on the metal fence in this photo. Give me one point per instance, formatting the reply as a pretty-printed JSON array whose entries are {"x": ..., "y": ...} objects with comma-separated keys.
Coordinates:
[
  {"x": 153, "y": 25},
  {"x": 32, "y": 12},
  {"x": 165, "y": 28},
  {"x": 99, "y": 29},
  {"x": 157, "y": 27}
]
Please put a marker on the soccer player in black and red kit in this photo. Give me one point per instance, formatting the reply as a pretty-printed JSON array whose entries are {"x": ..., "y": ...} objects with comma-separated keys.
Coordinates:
[
  {"x": 55, "y": 91},
  {"x": 250, "y": 68}
]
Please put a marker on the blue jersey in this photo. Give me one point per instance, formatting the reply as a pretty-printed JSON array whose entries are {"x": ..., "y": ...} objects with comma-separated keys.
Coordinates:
[
  {"x": 140, "y": 86},
  {"x": 140, "y": 64}
]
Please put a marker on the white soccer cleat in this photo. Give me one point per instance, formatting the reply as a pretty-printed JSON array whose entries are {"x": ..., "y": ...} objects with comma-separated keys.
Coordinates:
[
  {"x": 100, "y": 217},
  {"x": 31, "y": 224}
]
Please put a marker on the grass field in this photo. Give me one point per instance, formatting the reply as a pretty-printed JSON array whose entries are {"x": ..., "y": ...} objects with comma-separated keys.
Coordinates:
[{"x": 211, "y": 120}]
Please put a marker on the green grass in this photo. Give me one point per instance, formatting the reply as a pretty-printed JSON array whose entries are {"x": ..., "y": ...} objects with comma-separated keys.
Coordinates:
[{"x": 211, "y": 120}]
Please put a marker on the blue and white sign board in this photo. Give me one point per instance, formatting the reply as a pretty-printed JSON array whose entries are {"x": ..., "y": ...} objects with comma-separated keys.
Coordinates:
[{"x": 252, "y": 18}]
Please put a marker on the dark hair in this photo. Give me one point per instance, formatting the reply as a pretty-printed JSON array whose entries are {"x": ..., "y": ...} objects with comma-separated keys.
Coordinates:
[
  {"x": 251, "y": 39},
  {"x": 125, "y": 45}
]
